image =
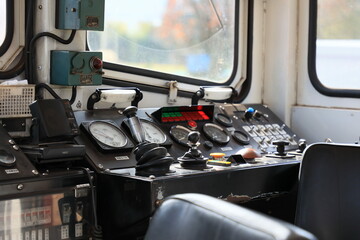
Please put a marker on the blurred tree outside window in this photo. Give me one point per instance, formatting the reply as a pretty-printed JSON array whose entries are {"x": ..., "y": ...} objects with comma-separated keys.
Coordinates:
[
  {"x": 189, "y": 38},
  {"x": 338, "y": 43}
]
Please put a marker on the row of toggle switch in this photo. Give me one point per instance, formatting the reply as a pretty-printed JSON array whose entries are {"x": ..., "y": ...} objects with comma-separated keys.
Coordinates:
[{"x": 264, "y": 135}]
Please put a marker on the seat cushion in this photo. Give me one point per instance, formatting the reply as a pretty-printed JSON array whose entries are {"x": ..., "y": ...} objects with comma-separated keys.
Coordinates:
[{"x": 197, "y": 216}]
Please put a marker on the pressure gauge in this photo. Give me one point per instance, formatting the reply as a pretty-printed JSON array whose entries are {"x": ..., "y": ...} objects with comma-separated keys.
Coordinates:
[
  {"x": 108, "y": 134},
  {"x": 223, "y": 119},
  {"x": 241, "y": 137},
  {"x": 6, "y": 158},
  {"x": 153, "y": 133},
  {"x": 215, "y": 133},
  {"x": 180, "y": 134}
]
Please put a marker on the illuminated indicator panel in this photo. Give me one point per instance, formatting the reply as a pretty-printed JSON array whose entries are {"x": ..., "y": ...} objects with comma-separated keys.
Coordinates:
[
  {"x": 183, "y": 116},
  {"x": 184, "y": 113}
]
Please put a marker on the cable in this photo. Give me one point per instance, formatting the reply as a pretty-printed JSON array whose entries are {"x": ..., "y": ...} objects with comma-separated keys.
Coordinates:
[
  {"x": 48, "y": 88},
  {"x": 28, "y": 34},
  {"x": 73, "y": 95},
  {"x": 52, "y": 92},
  {"x": 32, "y": 44}
]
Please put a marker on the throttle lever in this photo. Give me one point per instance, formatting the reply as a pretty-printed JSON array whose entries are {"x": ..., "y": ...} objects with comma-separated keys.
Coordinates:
[{"x": 134, "y": 124}]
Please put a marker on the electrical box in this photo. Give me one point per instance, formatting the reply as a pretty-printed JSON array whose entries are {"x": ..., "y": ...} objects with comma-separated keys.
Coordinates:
[
  {"x": 72, "y": 68},
  {"x": 80, "y": 14}
]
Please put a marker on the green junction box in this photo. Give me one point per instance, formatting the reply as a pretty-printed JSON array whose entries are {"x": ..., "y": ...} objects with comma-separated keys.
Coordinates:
[
  {"x": 80, "y": 14},
  {"x": 70, "y": 68}
]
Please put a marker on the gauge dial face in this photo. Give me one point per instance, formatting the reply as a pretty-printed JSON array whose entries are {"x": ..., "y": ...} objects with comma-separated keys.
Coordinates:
[
  {"x": 6, "y": 158},
  {"x": 107, "y": 134},
  {"x": 223, "y": 120},
  {"x": 241, "y": 137},
  {"x": 153, "y": 133},
  {"x": 180, "y": 134},
  {"x": 215, "y": 133}
]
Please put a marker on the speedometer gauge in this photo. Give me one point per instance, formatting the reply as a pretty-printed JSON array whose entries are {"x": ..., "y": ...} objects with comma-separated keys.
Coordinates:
[
  {"x": 180, "y": 134},
  {"x": 153, "y": 133},
  {"x": 215, "y": 133},
  {"x": 107, "y": 134}
]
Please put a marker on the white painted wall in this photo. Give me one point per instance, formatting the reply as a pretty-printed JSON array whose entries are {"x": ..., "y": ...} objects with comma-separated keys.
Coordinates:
[
  {"x": 257, "y": 80},
  {"x": 280, "y": 56}
]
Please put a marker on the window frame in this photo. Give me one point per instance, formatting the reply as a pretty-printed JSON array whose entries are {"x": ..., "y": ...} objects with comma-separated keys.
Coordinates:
[
  {"x": 314, "y": 79},
  {"x": 9, "y": 27},
  {"x": 171, "y": 77}
]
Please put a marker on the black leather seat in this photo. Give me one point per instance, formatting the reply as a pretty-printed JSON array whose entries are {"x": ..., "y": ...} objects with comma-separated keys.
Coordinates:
[
  {"x": 328, "y": 205},
  {"x": 196, "y": 216},
  {"x": 329, "y": 192}
]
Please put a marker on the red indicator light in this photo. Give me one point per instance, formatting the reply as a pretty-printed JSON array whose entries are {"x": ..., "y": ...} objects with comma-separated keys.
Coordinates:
[
  {"x": 192, "y": 124},
  {"x": 96, "y": 63}
]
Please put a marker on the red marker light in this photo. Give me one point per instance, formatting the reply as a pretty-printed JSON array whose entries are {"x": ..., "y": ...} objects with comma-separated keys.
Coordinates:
[{"x": 96, "y": 63}]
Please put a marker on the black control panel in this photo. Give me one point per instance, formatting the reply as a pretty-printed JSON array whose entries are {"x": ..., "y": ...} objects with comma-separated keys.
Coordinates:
[
  {"x": 223, "y": 128},
  {"x": 13, "y": 162},
  {"x": 180, "y": 149}
]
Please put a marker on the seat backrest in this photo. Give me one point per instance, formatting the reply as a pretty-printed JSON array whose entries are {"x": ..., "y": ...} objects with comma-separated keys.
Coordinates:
[
  {"x": 329, "y": 191},
  {"x": 196, "y": 216}
]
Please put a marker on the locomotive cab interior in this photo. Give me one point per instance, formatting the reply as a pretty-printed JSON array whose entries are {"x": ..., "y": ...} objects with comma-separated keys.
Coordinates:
[{"x": 179, "y": 119}]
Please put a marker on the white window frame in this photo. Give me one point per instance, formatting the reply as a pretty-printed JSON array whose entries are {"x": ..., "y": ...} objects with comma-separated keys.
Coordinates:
[{"x": 240, "y": 68}]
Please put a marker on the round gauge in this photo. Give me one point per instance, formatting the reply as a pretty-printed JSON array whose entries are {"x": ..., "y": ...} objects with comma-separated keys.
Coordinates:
[
  {"x": 241, "y": 137},
  {"x": 180, "y": 134},
  {"x": 215, "y": 133},
  {"x": 223, "y": 119},
  {"x": 6, "y": 158},
  {"x": 107, "y": 134},
  {"x": 153, "y": 133}
]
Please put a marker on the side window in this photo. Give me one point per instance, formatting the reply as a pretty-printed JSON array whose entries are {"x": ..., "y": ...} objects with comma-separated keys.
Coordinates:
[
  {"x": 11, "y": 38},
  {"x": 2, "y": 21},
  {"x": 186, "y": 39},
  {"x": 334, "y": 45}
]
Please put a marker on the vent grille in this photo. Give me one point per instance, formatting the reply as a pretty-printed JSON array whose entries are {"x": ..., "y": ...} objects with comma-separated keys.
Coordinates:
[{"x": 15, "y": 100}]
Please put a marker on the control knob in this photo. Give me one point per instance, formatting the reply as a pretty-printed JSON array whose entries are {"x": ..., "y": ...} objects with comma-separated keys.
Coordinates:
[
  {"x": 249, "y": 113},
  {"x": 280, "y": 147},
  {"x": 301, "y": 145}
]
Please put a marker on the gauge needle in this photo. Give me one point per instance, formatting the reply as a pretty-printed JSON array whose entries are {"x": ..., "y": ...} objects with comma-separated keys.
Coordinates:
[
  {"x": 148, "y": 136},
  {"x": 102, "y": 134}
]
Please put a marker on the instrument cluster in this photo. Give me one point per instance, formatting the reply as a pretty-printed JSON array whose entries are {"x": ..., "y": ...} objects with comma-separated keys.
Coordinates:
[{"x": 224, "y": 128}]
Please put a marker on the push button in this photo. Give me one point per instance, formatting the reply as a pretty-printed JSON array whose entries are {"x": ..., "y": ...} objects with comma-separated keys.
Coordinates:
[{"x": 192, "y": 124}]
